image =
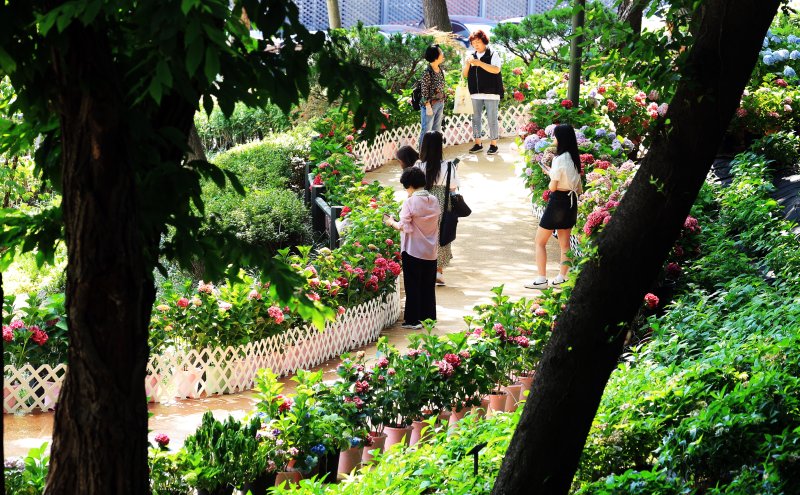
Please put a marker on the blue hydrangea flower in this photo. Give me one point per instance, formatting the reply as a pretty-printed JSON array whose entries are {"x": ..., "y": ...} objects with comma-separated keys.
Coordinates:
[
  {"x": 615, "y": 145},
  {"x": 583, "y": 129},
  {"x": 612, "y": 136},
  {"x": 550, "y": 129},
  {"x": 530, "y": 142},
  {"x": 551, "y": 94},
  {"x": 627, "y": 144},
  {"x": 780, "y": 55},
  {"x": 318, "y": 449},
  {"x": 765, "y": 43},
  {"x": 541, "y": 144},
  {"x": 355, "y": 442},
  {"x": 789, "y": 72},
  {"x": 600, "y": 132},
  {"x": 768, "y": 60},
  {"x": 311, "y": 461},
  {"x": 794, "y": 55},
  {"x": 792, "y": 38}
]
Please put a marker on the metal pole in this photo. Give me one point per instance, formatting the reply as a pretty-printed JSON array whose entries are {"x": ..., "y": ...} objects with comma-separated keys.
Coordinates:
[
  {"x": 576, "y": 51},
  {"x": 384, "y": 11},
  {"x": 333, "y": 233},
  {"x": 482, "y": 8},
  {"x": 317, "y": 215}
]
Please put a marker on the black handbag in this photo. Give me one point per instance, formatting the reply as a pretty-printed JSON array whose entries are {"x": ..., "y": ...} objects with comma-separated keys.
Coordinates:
[{"x": 449, "y": 224}]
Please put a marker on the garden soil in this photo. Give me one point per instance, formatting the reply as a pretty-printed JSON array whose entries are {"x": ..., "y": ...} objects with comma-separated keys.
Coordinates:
[{"x": 494, "y": 247}]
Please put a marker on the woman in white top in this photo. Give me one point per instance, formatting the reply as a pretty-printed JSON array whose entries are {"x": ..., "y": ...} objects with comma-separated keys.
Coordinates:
[
  {"x": 561, "y": 212},
  {"x": 430, "y": 161}
]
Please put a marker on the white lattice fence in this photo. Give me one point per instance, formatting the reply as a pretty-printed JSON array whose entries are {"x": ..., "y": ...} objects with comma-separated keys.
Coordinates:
[
  {"x": 209, "y": 371},
  {"x": 456, "y": 129}
]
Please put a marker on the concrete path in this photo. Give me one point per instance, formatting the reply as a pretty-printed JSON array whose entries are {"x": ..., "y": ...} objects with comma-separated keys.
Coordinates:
[{"x": 494, "y": 246}]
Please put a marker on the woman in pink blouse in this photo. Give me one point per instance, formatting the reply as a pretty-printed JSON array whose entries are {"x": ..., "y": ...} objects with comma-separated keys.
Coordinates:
[{"x": 419, "y": 246}]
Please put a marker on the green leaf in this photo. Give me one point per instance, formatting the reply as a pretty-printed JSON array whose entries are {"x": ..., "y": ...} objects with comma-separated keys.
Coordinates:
[
  {"x": 155, "y": 90},
  {"x": 194, "y": 55},
  {"x": 211, "y": 68},
  {"x": 164, "y": 74},
  {"x": 7, "y": 63}
]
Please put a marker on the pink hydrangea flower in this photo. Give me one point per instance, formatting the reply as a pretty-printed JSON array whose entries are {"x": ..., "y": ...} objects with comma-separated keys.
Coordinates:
[
  {"x": 183, "y": 303},
  {"x": 275, "y": 313},
  {"x": 162, "y": 440},
  {"x": 651, "y": 300},
  {"x": 17, "y": 324},
  {"x": 38, "y": 336},
  {"x": 8, "y": 333},
  {"x": 452, "y": 359}
]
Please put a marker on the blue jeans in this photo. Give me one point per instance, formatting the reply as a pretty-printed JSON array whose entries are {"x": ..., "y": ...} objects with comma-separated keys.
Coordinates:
[
  {"x": 431, "y": 122},
  {"x": 492, "y": 107}
]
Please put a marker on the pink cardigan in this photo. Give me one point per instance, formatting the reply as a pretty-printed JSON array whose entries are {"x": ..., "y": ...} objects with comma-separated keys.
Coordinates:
[{"x": 419, "y": 225}]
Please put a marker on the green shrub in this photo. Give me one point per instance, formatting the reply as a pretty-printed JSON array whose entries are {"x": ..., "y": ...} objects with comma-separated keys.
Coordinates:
[
  {"x": 27, "y": 476},
  {"x": 269, "y": 219},
  {"x": 782, "y": 148},
  {"x": 273, "y": 163},
  {"x": 245, "y": 124}
]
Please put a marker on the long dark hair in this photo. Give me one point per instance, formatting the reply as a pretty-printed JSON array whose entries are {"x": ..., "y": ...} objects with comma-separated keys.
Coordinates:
[
  {"x": 431, "y": 153},
  {"x": 568, "y": 143}
]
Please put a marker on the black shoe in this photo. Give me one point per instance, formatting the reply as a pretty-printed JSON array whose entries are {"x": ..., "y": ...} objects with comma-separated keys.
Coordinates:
[
  {"x": 492, "y": 150},
  {"x": 476, "y": 149}
]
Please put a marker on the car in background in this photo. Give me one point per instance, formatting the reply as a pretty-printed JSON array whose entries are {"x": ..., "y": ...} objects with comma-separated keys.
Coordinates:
[
  {"x": 464, "y": 25},
  {"x": 389, "y": 30}
]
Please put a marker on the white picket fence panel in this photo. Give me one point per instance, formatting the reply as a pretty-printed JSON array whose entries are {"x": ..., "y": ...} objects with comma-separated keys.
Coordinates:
[
  {"x": 192, "y": 373},
  {"x": 456, "y": 129}
]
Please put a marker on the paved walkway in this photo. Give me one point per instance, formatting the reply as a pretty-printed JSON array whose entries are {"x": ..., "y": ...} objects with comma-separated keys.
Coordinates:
[{"x": 494, "y": 247}]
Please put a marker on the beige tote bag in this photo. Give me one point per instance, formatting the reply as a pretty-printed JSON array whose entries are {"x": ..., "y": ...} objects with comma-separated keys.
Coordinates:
[{"x": 462, "y": 102}]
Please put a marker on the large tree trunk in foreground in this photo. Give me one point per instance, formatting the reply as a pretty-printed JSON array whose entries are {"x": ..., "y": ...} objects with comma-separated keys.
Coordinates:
[
  {"x": 435, "y": 14},
  {"x": 100, "y": 433},
  {"x": 586, "y": 344}
]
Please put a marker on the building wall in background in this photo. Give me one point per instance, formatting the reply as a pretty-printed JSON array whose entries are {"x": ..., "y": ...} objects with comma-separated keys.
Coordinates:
[{"x": 314, "y": 13}]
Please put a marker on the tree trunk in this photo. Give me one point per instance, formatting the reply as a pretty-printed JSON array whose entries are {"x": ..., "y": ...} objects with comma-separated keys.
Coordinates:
[
  {"x": 100, "y": 434},
  {"x": 632, "y": 12},
  {"x": 435, "y": 14},
  {"x": 196, "y": 149},
  {"x": 334, "y": 18},
  {"x": 576, "y": 51},
  {"x": 587, "y": 341}
]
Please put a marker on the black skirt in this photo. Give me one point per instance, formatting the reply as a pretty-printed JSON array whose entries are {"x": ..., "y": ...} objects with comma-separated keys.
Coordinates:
[{"x": 561, "y": 211}]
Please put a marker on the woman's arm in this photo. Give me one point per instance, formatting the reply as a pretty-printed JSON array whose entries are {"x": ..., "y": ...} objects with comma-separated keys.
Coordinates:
[{"x": 491, "y": 69}]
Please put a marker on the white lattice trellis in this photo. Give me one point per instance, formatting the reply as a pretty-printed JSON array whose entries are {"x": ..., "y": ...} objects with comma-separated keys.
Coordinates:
[
  {"x": 456, "y": 129},
  {"x": 192, "y": 373}
]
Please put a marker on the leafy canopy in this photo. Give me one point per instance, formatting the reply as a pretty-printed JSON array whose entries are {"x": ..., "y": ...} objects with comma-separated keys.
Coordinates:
[{"x": 153, "y": 64}]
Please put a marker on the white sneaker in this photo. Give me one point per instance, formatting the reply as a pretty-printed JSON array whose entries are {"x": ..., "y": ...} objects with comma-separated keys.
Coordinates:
[
  {"x": 537, "y": 283},
  {"x": 558, "y": 280}
]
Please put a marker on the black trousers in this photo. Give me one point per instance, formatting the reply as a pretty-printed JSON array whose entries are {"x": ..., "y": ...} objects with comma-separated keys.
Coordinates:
[{"x": 419, "y": 277}]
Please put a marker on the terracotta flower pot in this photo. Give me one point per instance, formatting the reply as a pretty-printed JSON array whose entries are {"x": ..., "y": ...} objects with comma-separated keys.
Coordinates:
[
  {"x": 456, "y": 416},
  {"x": 512, "y": 399},
  {"x": 527, "y": 383},
  {"x": 291, "y": 478},
  {"x": 497, "y": 403},
  {"x": 350, "y": 459},
  {"x": 481, "y": 410},
  {"x": 396, "y": 435},
  {"x": 378, "y": 442},
  {"x": 416, "y": 432}
]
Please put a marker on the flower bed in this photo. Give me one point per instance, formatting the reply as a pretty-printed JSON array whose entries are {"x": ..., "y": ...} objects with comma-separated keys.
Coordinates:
[{"x": 190, "y": 373}]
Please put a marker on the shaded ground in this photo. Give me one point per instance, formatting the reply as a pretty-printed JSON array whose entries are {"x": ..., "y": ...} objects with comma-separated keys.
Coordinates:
[{"x": 494, "y": 246}]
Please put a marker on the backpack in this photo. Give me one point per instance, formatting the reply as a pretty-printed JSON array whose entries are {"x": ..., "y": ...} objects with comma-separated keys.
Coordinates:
[{"x": 416, "y": 94}]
